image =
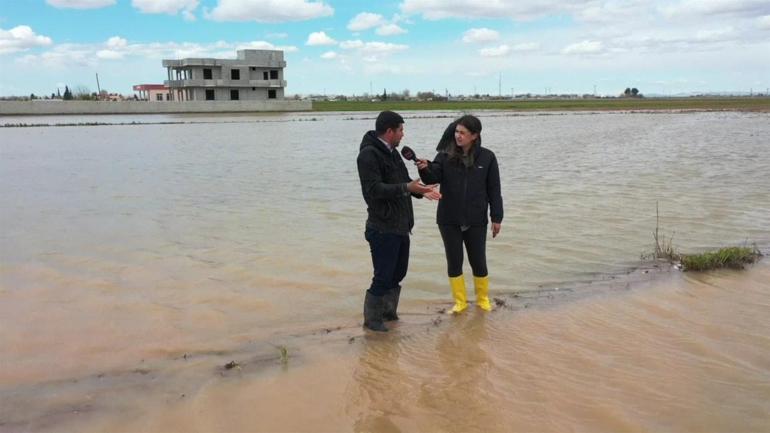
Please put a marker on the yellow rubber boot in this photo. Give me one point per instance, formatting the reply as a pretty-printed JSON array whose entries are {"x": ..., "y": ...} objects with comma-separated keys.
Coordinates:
[
  {"x": 482, "y": 292},
  {"x": 458, "y": 292}
]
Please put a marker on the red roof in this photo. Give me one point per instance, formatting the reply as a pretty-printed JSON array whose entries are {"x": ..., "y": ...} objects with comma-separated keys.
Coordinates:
[{"x": 150, "y": 87}]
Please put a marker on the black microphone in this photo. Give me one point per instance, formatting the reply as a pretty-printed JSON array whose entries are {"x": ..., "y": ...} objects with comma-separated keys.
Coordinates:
[{"x": 408, "y": 153}]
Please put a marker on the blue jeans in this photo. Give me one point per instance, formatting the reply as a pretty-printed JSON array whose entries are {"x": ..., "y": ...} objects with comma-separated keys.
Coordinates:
[{"x": 390, "y": 258}]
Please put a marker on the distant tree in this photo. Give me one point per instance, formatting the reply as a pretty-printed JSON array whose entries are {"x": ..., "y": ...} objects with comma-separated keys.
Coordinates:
[
  {"x": 67, "y": 94},
  {"x": 627, "y": 92},
  {"x": 53, "y": 95},
  {"x": 425, "y": 96},
  {"x": 634, "y": 92},
  {"x": 384, "y": 95},
  {"x": 81, "y": 92},
  {"x": 32, "y": 96}
]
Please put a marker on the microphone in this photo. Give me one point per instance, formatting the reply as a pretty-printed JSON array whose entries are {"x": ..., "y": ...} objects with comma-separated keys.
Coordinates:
[{"x": 408, "y": 153}]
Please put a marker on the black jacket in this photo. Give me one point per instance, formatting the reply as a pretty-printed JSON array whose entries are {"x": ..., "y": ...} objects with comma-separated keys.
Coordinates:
[
  {"x": 383, "y": 178},
  {"x": 466, "y": 192}
]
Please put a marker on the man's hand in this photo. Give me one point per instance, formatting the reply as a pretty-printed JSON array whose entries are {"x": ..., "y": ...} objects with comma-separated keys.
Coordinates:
[
  {"x": 434, "y": 194},
  {"x": 495, "y": 229},
  {"x": 421, "y": 164},
  {"x": 429, "y": 192}
]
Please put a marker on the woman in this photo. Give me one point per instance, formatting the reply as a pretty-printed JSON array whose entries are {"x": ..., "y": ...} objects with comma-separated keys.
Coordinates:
[{"x": 470, "y": 185}]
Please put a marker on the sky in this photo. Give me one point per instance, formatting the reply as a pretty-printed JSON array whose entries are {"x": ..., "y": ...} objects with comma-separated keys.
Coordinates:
[{"x": 352, "y": 47}]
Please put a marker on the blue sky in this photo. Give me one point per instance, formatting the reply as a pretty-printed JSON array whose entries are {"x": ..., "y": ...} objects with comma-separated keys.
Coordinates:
[{"x": 352, "y": 46}]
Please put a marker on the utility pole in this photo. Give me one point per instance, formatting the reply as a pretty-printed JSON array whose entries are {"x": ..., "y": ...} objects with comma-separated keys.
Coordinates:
[
  {"x": 594, "y": 89},
  {"x": 500, "y": 85},
  {"x": 98, "y": 89}
]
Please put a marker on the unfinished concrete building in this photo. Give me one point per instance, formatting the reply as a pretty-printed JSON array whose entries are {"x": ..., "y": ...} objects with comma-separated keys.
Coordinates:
[{"x": 255, "y": 75}]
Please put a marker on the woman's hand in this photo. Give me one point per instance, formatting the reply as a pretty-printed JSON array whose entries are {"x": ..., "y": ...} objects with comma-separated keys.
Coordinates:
[
  {"x": 421, "y": 164},
  {"x": 495, "y": 229}
]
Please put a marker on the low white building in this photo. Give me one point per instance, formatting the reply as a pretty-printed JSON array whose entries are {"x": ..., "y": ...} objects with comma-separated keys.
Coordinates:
[{"x": 152, "y": 92}]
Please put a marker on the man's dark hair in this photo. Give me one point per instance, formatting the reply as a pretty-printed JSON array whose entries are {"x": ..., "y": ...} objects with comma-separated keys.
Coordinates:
[{"x": 387, "y": 120}]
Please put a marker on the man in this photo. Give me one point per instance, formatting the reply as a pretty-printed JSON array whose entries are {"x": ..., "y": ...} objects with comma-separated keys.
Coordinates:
[{"x": 388, "y": 192}]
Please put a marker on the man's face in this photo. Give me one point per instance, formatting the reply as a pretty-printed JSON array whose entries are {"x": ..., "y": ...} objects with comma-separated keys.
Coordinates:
[{"x": 394, "y": 136}]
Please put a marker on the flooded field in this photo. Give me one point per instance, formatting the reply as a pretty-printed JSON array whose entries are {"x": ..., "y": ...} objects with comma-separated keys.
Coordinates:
[{"x": 136, "y": 260}]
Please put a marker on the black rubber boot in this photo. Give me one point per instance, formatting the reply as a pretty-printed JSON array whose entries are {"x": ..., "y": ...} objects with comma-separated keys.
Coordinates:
[
  {"x": 373, "y": 307},
  {"x": 391, "y": 304}
]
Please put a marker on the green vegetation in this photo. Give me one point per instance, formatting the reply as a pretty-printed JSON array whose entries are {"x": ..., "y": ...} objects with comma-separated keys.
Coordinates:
[
  {"x": 728, "y": 257},
  {"x": 704, "y": 103},
  {"x": 732, "y": 257}
]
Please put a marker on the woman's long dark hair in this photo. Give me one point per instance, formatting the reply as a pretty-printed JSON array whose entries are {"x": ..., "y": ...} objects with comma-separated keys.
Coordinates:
[
  {"x": 448, "y": 138},
  {"x": 472, "y": 124}
]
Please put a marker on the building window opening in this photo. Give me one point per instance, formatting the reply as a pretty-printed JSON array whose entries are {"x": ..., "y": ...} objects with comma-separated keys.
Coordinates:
[
  {"x": 207, "y": 74},
  {"x": 253, "y": 89},
  {"x": 234, "y": 95},
  {"x": 271, "y": 94},
  {"x": 264, "y": 75},
  {"x": 209, "y": 94},
  {"x": 235, "y": 74},
  {"x": 273, "y": 75},
  {"x": 253, "y": 68},
  {"x": 159, "y": 97}
]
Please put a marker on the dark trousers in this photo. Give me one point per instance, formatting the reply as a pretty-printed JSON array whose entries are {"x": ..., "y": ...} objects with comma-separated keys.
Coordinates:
[
  {"x": 390, "y": 258},
  {"x": 475, "y": 240}
]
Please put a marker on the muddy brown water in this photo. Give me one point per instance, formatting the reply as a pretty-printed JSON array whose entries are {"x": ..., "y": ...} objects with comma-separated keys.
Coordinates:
[{"x": 138, "y": 260}]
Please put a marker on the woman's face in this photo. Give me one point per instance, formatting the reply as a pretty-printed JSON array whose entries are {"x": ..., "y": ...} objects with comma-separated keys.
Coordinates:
[{"x": 464, "y": 137}]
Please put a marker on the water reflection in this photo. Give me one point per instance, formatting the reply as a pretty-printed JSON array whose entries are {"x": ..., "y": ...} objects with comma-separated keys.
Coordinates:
[
  {"x": 376, "y": 393},
  {"x": 462, "y": 390}
]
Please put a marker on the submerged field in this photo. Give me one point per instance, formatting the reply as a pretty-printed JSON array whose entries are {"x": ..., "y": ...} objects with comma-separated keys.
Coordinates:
[{"x": 729, "y": 104}]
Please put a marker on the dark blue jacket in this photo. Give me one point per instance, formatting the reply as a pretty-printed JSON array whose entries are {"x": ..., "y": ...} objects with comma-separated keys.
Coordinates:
[
  {"x": 466, "y": 192},
  {"x": 383, "y": 178}
]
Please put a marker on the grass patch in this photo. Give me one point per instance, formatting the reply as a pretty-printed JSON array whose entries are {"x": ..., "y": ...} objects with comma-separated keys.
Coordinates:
[{"x": 730, "y": 257}]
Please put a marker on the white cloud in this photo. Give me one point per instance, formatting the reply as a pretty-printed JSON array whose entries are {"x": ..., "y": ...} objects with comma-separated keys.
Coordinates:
[
  {"x": 747, "y": 8},
  {"x": 80, "y": 4},
  {"x": 62, "y": 56},
  {"x": 372, "y": 51},
  {"x": 88, "y": 55},
  {"x": 390, "y": 30},
  {"x": 365, "y": 21},
  {"x": 480, "y": 35},
  {"x": 383, "y": 47},
  {"x": 269, "y": 11},
  {"x": 348, "y": 45},
  {"x": 117, "y": 42},
  {"x": 717, "y": 35},
  {"x": 277, "y": 35},
  {"x": 526, "y": 46},
  {"x": 373, "y": 47},
  {"x": 319, "y": 38},
  {"x": 264, "y": 45},
  {"x": 21, "y": 38},
  {"x": 518, "y": 9},
  {"x": 329, "y": 55},
  {"x": 584, "y": 47},
  {"x": 764, "y": 22},
  {"x": 500, "y": 51},
  {"x": 170, "y": 7},
  {"x": 109, "y": 55}
]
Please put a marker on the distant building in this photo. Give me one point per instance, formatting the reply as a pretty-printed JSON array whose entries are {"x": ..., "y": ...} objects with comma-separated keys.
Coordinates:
[
  {"x": 253, "y": 75},
  {"x": 152, "y": 92}
]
